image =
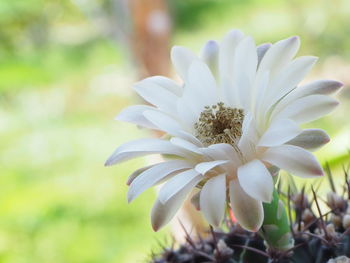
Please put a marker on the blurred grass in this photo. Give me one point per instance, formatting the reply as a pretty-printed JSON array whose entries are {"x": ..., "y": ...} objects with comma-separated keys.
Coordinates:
[{"x": 57, "y": 102}]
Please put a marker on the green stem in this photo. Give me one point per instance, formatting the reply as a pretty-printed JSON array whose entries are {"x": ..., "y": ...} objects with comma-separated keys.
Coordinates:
[{"x": 276, "y": 229}]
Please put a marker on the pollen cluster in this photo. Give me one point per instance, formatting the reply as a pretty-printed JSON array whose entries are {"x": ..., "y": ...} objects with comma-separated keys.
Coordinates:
[{"x": 219, "y": 124}]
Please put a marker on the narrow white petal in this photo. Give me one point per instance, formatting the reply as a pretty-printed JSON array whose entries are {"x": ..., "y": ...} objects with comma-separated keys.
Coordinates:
[
  {"x": 164, "y": 122},
  {"x": 310, "y": 139},
  {"x": 256, "y": 180},
  {"x": 210, "y": 55},
  {"x": 318, "y": 87},
  {"x": 294, "y": 160},
  {"x": 166, "y": 83},
  {"x": 226, "y": 66},
  {"x": 245, "y": 63},
  {"x": 157, "y": 95},
  {"x": 247, "y": 210},
  {"x": 289, "y": 78},
  {"x": 154, "y": 175},
  {"x": 204, "y": 167},
  {"x": 222, "y": 151},
  {"x": 213, "y": 199},
  {"x": 307, "y": 109},
  {"x": 201, "y": 84},
  {"x": 137, "y": 172},
  {"x": 261, "y": 50},
  {"x": 162, "y": 213},
  {"x": 261, "y": 86},
  {"x": 185, "y": 144},
  {"x": 225, "y": 151},
  {"x": 134, "y": 114},
  {"x": 178, "y": 182},
  {"x": 279, "y": 54},
  {"x": 188, "y": 111},
  {"x": 227, "y": 52},
  {"x": 249, "y": 138},
  {"x": 279, "y": 132},
  {"x": 143, "y": 147},
  {"x": 182, "y": 58},
  {"x": 321, "y": 87},
  {"x": 324, "y": 87},
  {"x": 168, "y": 124}
]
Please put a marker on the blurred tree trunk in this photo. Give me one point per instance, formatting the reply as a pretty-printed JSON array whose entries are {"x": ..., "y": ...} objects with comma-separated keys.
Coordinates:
[
  {"x": 151, "y": 42},
  {"x": 151, "y": 36}
]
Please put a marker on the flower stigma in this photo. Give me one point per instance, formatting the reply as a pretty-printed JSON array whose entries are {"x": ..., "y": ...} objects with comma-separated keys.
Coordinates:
[{"x": 219, "y": 124}]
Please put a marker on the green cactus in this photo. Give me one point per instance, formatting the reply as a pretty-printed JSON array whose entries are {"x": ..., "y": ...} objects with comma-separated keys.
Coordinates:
[{"x": 276, "y": 229}]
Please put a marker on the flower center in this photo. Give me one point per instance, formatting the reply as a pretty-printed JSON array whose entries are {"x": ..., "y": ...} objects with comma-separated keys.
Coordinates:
[{"x": 219, "y": 124}]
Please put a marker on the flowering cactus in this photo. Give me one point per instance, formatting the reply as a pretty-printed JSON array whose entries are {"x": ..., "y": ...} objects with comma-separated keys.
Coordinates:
[{"x": 233, "y": 119}]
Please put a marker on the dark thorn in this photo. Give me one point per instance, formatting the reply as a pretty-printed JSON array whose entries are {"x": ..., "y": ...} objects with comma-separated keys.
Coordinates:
[
  {"x": 215, "y": 241},
  {"x": 290, "y": 213},
  {"x": 285, "y": 253},
  {"x": 320, "y": 213},
  {"x": 253, "y": 249},
  {"x": 188, "y": 237},
  {"x": 329, "y": 176},
  {"x": 317, "y": 236}
]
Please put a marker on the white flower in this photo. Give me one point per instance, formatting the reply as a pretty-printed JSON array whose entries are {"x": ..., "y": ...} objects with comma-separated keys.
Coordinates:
[{"x": 236, "y": 115}]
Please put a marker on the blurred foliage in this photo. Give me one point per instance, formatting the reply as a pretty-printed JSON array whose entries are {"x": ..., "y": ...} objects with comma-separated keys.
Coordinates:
[{"x": 62, "y": 81}]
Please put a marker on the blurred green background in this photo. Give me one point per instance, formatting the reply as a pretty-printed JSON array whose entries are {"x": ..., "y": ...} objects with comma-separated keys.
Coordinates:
[{"x": 66, "y": 69}]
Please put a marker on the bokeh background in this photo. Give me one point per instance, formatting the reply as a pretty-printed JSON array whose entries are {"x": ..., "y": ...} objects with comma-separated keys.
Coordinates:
[{"x": 66, "y": 69}]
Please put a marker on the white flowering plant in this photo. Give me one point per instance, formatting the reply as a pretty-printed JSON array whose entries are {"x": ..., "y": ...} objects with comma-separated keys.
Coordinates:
[{"x": 231, "y": 124}]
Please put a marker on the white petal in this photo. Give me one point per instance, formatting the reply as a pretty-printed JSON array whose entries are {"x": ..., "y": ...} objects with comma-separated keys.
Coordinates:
[
  {"x": 245, "y": 63},
  {"x": 153, "y": 176},
  {"x": 157, "y": 95},
  {"x": 279, "y": 132},
  {"x": 256, "y": 180},
  {"x": 204, "y": 167},
  {"x": 307, "y": 109},
  {"x": 188, "y": 111},
  {"x": 213, "y": 199},
  {"x": 210, "y": 55},
  {"x": 162, "y": 213},
  {"x": 325, "y": 87},
  {"x": 225, "y": 151},
  {"x": 201, "y": 85},
  {"x": 164, "y": 122},
  {"x": 247, "y": 210},
  {"x": 261, "y": 50},
  {"x": 134, "y": 114},
  {"x": 178, "y": 182},
  {"x": 226, "y": 66},
  {"x": 143, "y": 147},
  {"x": 279, "y": 54},
  {"x": 182, "y": 58},
  {"x": 310, "y": 139},
  {"x": 261, "y": 86},
  {"x": 222, "y": 151},
  {"x": 185, "y": 144},
  {"x": 166, "y": 83},
  {"x": 227, "y": 52},
  {"x": 321, "y": 87},
  {"x": 289, "y": 78},
  {"x": 137, "y": 172},
  {"x": 249, "y": 138},
  {"x": 294, "y": 160}
]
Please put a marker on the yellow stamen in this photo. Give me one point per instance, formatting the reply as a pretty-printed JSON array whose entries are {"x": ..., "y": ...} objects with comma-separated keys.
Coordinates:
[{"x": 219, "y": 124}]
